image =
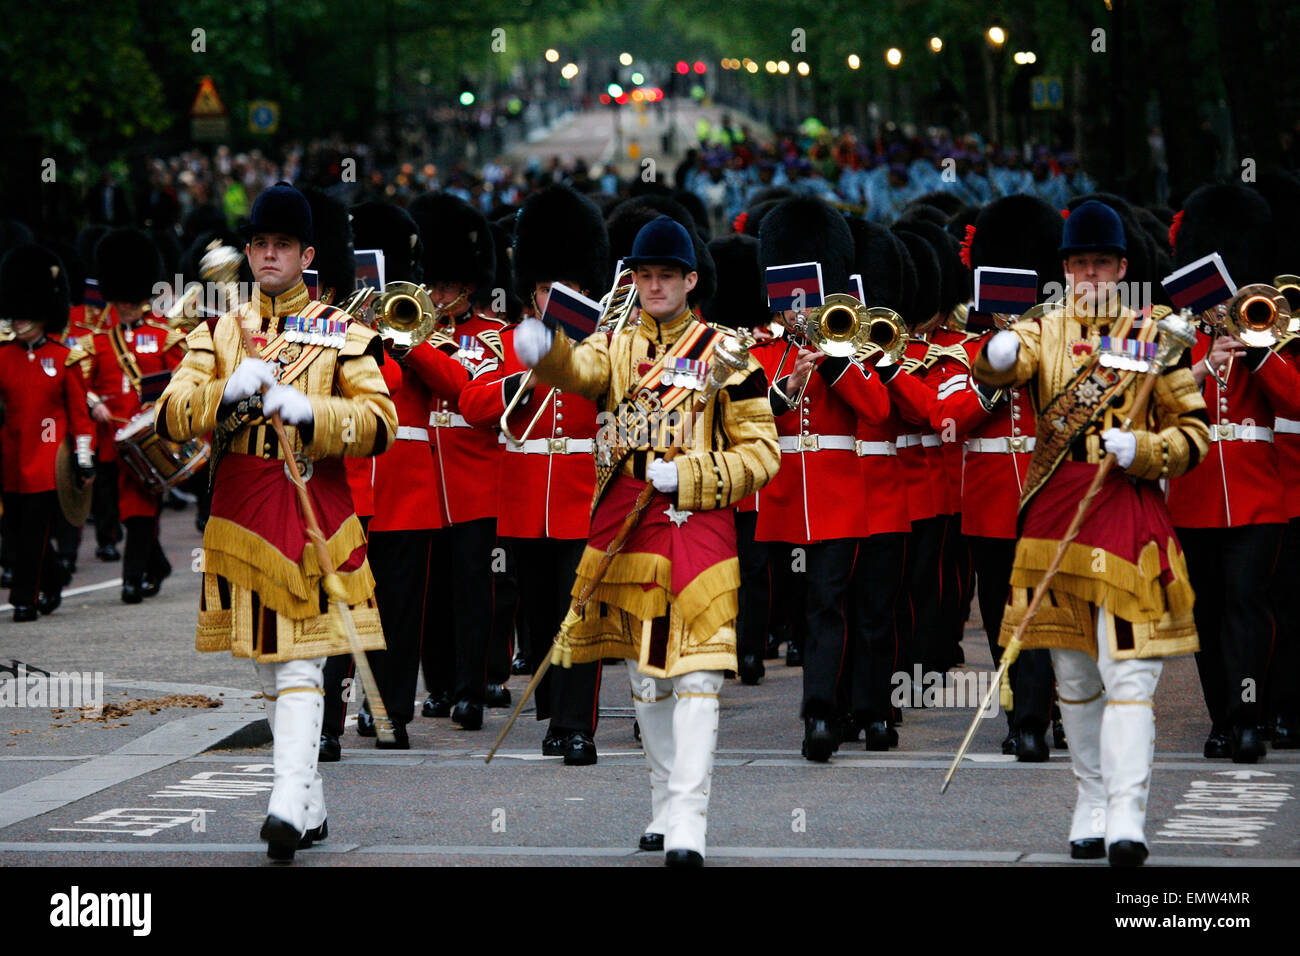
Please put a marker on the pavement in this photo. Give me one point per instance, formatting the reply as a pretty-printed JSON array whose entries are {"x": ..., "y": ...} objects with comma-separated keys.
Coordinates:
[{"x": 183, "y": 778}]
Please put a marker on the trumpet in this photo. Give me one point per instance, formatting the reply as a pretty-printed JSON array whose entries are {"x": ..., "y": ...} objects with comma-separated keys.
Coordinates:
[
  {"x": 617, "y": 304},
  {"x": 843, "y": 327}
]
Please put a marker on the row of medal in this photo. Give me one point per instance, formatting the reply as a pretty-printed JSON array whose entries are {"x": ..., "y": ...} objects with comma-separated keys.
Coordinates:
[
  {"x": 1129, "y": 354},
  {"x": 331, "y": 333},
  {"x": 684, "y": 373}
]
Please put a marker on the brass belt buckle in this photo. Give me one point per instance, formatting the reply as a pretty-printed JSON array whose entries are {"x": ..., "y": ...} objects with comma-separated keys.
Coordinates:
[
  {"x": 305, "y": 467},
  {"x": 808, "y": 442},
  {"x": 442, "y": 419},
  {"x": 1016, "y": 443},
  {"x": 1226, "y": 431},
  {"x": 558, "y": 446}
]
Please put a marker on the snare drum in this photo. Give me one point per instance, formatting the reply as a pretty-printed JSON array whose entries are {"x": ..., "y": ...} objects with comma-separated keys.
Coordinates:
[{"x": 158, "y": 463}]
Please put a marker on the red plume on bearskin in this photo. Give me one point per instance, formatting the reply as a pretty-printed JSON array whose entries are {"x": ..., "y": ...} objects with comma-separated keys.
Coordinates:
[
  {"x": 1065, "y": 214},
  {"x": 738, "y": 224},
  {"x": 1173, "y": 230},
  {"x": 965, "y": 245}
]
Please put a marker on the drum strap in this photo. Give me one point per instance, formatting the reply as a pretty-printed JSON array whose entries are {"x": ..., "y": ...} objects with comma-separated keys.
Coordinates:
[{"x": 125, "y": 357}]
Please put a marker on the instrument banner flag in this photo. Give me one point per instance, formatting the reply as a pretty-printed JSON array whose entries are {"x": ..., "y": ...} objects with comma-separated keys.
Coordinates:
[
  {"x": 370, "y": 269},
  {"x": 574, "y": 312},
  {"x": 1005, "y": 291},
  {"x": 794, "y": 287},
  {"x": 1200, "y": 285},
  {"x": 92, "y": 297}
]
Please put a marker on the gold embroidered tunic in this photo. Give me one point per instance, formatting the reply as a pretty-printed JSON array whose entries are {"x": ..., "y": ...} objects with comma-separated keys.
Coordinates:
[{"x": 262, "y": 594}]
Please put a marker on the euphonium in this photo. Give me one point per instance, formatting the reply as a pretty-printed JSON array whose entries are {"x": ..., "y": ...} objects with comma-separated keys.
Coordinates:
[{"x": 404, "y": 314}]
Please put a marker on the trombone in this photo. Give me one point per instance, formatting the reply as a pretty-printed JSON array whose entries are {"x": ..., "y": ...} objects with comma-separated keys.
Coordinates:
[
  {"x": 1258, "y": 316},
  {"x": 404, "y": 314},
  {"x": 617, "y": 306},
  {"x": 843, "y": 327}
]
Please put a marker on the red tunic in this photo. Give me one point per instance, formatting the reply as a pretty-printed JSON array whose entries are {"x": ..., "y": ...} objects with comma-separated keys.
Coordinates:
[
  {"x": 547, "y": 485},
  {"x": 469, "y": 459},
  {"x": 919, "y": 448},
  {"x": 406, "y": 479},
  {"x": 1237, "y": 483},
  {"x": 996, "y": 451},
  {"x": 84, "y": 323},
  {"x": 42, "y": 398},
  {"x": 1286, "y": 437},
  {"x": 145, "y": 341},
  {"x": 818, "y": 494}
]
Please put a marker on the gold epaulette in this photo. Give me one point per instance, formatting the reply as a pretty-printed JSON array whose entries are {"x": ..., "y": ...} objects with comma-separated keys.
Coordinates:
[
  {"x": 492, "y": 339},
  {"x": 359, "y": 339},
  {"x": 75, "y": 355},
  {"x": 174, "y": 337},
  {"x": 199, "y": 338}
]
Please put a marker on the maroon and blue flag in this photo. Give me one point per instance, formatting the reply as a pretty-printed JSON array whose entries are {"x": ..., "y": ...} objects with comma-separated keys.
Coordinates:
[
  {"x": 1200, "y": 285},
  {"x": 370, "y": 269},
  {"x": 574, "y": 312},
  {"x": 794, "y": 287},
  {"x": 1005, "y": 291}
]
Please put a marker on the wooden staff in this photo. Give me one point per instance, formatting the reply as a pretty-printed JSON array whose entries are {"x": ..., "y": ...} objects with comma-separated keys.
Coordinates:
[
  {"x": 727, "y": 359},
  {"x": 1176, "y": 334},
  {"x": 332, "y": 583}
]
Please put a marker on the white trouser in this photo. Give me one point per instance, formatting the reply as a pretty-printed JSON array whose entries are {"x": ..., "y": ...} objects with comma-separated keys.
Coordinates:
[
  {"x": 1107, "y": 711},
  {"x": 679, "y": 731},
  {"x": 295, "y": 708}
]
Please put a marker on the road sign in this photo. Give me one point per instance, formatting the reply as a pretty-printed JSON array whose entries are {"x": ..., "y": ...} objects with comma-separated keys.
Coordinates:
[
  {"x": 263, "y": 116},
  {"x": 1046, "y": 93},
  {"x": 206, "y": 101}
]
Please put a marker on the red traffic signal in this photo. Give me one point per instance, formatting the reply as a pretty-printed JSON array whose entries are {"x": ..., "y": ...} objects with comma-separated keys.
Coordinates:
[
  {"x": 683, "y": 67},
  {"x": 699, "y": 66}
]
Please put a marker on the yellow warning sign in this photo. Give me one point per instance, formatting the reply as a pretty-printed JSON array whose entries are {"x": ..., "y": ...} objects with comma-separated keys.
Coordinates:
[{"x": 207, "y": 102}]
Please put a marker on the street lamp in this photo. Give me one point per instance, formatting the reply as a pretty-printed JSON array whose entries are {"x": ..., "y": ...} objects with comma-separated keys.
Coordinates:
[
  {"x": 625, "y": 59},
  {"x": 997, "y": 36},
  {"x": 771, "y": 66},
  {"x": 936, "y": 44},
  {"x": 783, "y": 67},
  {"x": 894, "y": 56},
  {"x": 803, "y": 68},
  {"x": 570, "y": 71},
  {"x": 552, "y": 56},
  {"x": 854, "y": 61}
]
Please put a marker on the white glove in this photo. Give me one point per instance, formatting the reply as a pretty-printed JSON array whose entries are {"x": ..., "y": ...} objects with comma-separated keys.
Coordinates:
[
  {"x": 250, "y": 377},
  {"x": 663, "y": 474},
  {"x": 294, "y": 407},
  {"x": 1123, "y": 445},
  {"x": 1003, "y": 349},
  {"x": 532, "y": 341}
]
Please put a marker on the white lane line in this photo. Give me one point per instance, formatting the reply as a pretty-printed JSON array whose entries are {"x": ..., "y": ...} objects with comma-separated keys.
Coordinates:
[
  {"x": 73, "y": 592},
  {"x": 883, "y": 854}
]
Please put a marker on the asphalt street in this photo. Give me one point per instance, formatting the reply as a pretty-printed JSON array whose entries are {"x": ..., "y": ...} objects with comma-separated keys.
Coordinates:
[{"x": 183, "y": 779}]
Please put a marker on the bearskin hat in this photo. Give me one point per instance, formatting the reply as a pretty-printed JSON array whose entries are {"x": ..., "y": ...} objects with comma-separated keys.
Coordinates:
[
  {"x": 805, "y": 229},
  {"x": 878, "y": 257},
  {"x": 1019, "y": 232},
  {"x": 201, "y": 219},
  {"x": 458, "y": 246},
  {"x": 1235, "y": 222},
  {"x": 335, "y": 260},
  {"x": 34, "y": 287},
  {"x": 504, "y": 253},
  {"x": 626, "y": 220},
  {"x": 699, "y": 214},
  {"x": 755, "y": 213},
  {"x": 955, "y": 282},
  {"x": 88, "y": 239},
  {"x": 1282, "y": 191},
  {"x": 75, "y": 266},
  {"x": 127, "y": 265},
  {"x": 390, "y": 229},
  {"x": 924, "y": 303},
  {"x": 916, "y": 211},
  {"x": 561, "y": 236},
  {"x": 741, "y": 298},
  {"x": 947, "y": 203},
  {"x": 14, "y": 234}
]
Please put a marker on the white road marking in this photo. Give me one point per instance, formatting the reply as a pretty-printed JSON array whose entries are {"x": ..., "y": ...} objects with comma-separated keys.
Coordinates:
[{"x": 73, "y": 592}]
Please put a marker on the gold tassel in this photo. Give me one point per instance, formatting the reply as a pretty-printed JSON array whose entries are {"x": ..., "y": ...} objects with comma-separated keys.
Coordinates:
[{"x": 1009, "y": 655}]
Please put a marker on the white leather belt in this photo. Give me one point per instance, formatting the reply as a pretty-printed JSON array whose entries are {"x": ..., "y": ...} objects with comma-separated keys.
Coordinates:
[
  {"x": 907, "y": 441},
  {"x": 802, "y": 443},
  {"x": 448, "y": 420},
  {"x": 1231, "y": 432},
  {"x": 412, "y": 434},
  {"x": 553, "y": 446},
  {"x": 864, "y": 448},
  {"x": 930, "y": 441},
  {"x": 1286, "y": 426},
  {"x": 1005, "y": 445}
]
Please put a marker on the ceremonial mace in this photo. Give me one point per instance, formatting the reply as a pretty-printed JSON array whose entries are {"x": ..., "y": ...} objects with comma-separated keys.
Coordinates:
[
  {"x": 1176, "y": 334},
  {"x": 332, "y": 583},
  {"x": 729, "y": 357}
]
